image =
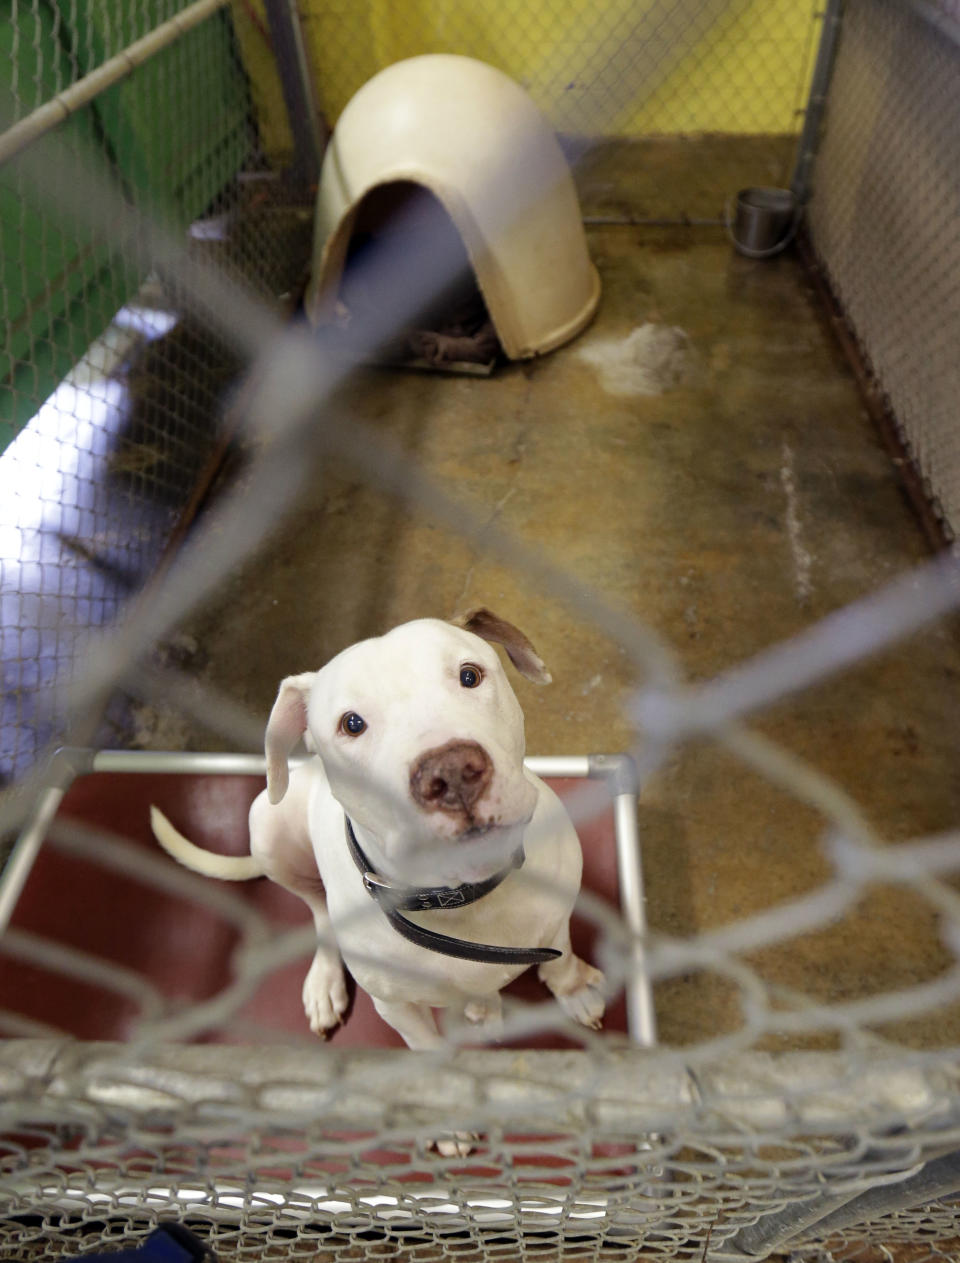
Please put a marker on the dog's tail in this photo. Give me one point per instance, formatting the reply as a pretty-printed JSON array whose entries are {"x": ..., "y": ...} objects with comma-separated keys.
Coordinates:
[{"x": 226, "y": 867}]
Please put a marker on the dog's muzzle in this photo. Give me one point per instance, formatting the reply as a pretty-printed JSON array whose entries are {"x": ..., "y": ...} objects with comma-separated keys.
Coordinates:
[{"x": 451, "y": 778}]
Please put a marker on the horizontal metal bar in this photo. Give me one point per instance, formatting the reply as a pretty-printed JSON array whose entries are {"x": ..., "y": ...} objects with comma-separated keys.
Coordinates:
[
  {"x": 559, "y": 766},
  {"x": 761, "y": 1093},
  {"x": 301, "y": 1084},
  {"x": 617, "y": 770},
  {"x": 183, "y": 763},
  {"x": 26, "y": 131}
]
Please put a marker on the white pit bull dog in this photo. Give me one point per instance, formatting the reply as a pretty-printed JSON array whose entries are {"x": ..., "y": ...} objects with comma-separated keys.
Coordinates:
[{"x": 417, "y": 802}]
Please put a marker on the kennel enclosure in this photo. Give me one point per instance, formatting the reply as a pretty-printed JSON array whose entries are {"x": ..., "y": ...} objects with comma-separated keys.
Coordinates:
[{"x": 725, "y": 1151}]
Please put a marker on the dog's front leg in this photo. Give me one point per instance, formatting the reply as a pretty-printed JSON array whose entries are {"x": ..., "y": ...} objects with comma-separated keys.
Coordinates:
[
  {"x": 415, "y": 1023},
  {"x": 418, "y": 1027},
  {"x": 580, "y": 989},
  {"x": 324, "y": 994},
  {"x": 279, "y": 839},
  {"x": 486, "y": 1013}
]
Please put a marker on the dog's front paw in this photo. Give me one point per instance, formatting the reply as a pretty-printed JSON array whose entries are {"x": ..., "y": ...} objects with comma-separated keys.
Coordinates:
[
  {"x": 586, "y": 1005},
  {"x": 486, "y": 1012},
  {"x": 325, "y": 996},
  {"x": 586, "y": 1002},
  {"x": 459, "y": 1145},
  {"x": 580, "y": 989}
]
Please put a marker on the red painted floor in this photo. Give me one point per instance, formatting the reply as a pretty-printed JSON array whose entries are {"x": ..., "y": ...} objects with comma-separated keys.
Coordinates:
[{"x": 182, "y": 948}]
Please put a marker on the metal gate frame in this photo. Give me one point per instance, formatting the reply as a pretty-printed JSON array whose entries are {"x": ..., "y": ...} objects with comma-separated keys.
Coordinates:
[
  {"x": 617, "y": 771},
  {"x": 758, "y": 1099}
]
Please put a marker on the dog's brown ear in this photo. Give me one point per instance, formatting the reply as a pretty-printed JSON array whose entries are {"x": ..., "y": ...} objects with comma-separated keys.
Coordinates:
[
  {"x": 489, "y": 626},
  {"x": 285, "y": 727}
]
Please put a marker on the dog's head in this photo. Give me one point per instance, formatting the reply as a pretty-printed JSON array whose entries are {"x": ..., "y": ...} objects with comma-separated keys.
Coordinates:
[{"x": 421, "y": 738}]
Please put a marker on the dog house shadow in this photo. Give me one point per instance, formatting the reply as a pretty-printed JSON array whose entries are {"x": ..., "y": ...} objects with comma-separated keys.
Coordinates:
[
  {"x": 400, "y": 241},
  {"x": 109, "y": 933}
]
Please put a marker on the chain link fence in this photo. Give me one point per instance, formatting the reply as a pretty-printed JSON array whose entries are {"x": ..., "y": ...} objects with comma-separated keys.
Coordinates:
[
  {"x": 890, "y": 146},
  {"x": 667, "y": 106},
  {"x": 583, "y": 1156},
  {"x": 186, "y": 248},
  {"x": 113, "y": 391},
  {"x": 102, "y": 357}
]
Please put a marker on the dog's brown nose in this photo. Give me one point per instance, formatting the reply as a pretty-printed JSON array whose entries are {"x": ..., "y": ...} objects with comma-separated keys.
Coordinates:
[{"x": 451, "y": 777}]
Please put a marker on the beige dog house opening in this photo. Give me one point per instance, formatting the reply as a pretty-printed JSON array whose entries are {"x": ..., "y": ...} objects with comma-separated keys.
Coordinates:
[{"x": 419, "y": 153}]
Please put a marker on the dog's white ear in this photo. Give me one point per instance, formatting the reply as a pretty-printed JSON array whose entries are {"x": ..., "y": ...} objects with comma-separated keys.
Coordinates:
[
  {"x": 285, "y": 727},
  {"x": 489, "y": 626}
]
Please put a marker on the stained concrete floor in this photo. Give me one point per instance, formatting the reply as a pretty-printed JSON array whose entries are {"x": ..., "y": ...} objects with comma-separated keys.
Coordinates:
[{"x": 727, "y": 513}]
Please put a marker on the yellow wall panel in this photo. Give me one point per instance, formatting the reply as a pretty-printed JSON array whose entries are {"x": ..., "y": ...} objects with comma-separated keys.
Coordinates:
[
  {"x": 256, "y": 53},
  {"x": 595, "y": 67}
]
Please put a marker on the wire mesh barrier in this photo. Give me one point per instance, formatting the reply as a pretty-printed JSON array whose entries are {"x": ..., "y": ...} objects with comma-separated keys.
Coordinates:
[
  {"x": 816, "y": 1119},
  {"x": 111, "y": 390},
  {"x": 890, "y": 132},
  {"x": 581, "y": 1156},
  {"x": 678, "y": 103},
  {"x": 135, "y": 402},
  {"x": 285, "y": 1152}
]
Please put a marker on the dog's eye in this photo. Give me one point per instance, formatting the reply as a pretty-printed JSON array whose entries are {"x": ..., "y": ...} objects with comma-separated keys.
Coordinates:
[
  {"x": 352, "y": 724},
  {"x": 470, "y": 676}
]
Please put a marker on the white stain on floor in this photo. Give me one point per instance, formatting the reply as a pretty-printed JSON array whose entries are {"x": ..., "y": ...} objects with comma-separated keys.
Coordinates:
[
  {"x": 802, "y": 558},
  {"x": 650, "y": 360}
]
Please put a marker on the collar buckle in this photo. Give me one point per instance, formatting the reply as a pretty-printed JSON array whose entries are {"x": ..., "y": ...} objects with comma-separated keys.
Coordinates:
[{"x": 372, "y": 883}]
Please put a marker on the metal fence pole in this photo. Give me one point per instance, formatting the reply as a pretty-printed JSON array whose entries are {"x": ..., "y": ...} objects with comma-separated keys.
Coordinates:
[
  {"x": 816, "y": 102},
  {"x": 306, "y": 122}
]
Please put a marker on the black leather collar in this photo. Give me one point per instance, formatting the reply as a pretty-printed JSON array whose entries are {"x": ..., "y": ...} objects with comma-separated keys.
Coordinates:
[{"x": 391, "y": 898}]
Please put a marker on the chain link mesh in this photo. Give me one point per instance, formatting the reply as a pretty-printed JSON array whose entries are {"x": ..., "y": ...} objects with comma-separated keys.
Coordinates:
[
  {"x": 711, "y": 91},
  {"x": 889, "y": 147},
  {"x": 603, "y": 1153},
  {"x": 112, "y": 391},
  {"x": 715, "y": 1151}
]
